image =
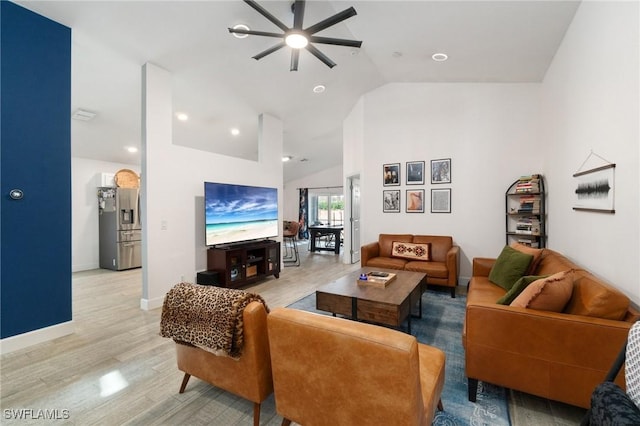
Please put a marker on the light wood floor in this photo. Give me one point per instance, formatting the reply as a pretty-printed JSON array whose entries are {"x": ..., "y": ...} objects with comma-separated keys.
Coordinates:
[{"x": 116, "y": 369}]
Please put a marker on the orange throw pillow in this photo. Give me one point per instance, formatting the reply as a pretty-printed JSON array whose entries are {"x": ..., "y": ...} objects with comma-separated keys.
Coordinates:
[
  {"x": 547, "y": 294},
  {"x": 536, "y": 253}
]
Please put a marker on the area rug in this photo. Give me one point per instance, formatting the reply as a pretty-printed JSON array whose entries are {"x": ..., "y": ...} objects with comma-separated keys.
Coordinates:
[{"x": 441, "y": 326}]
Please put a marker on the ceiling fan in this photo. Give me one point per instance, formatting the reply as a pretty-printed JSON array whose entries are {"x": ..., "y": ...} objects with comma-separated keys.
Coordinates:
[{"x": 296, "y": 37}]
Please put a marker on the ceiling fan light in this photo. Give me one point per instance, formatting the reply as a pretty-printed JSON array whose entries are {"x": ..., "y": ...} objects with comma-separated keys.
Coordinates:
[
  {"x": 241, "y": 27},
  {"x": 296, "y": 40}
]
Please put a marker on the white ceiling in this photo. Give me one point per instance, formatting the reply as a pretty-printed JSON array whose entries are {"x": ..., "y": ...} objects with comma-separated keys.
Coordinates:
[{"x": 220, "y": 86}]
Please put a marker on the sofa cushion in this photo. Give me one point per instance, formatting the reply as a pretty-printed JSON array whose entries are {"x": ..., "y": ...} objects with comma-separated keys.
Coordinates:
[
  {"x": 593, "y": 298},
  {"x": 385, "y": 241},
  {"x": 387, "y": 262},
  {"x": 411, "y": 251},
  {"x": 432, "y": 269},
  {"x": 536, "y": 253},
  {"x": 440, "y": 245},
  {"x": 517, "y": 288},
  {"x": 547, "y": 294},
  {"x": 552, "y": 262},
  {"x": 510, "y": 266}
]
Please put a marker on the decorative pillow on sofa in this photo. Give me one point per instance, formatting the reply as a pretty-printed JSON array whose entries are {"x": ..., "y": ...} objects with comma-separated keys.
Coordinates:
[
  {"x": 411, "y": 250},
  {"x": 518, "y": 287},
  {"x": 536, "y": 253},
  {"x": 509, "y": 267},
  {"x": 547, "y": 294}
]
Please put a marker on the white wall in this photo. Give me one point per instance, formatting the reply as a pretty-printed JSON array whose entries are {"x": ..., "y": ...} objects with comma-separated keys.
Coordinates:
[
  {"x": 173, "y": 189},
  {"x": 490, "y": 132},
  {"x": 591, "y": 97},
  {"x": 85, "y": 253}
]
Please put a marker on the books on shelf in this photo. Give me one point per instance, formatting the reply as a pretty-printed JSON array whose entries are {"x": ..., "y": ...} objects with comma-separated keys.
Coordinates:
[
  {"x": 529, "y": 243},
  {"x": 529, "y": 204},
  {"x": 525, "y": 209},
  {"x": 529, "y": 225},
  {"x": 528, "y": 184}
]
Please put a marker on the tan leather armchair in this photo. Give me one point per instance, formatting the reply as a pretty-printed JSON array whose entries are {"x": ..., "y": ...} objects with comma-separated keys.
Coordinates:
[
  {"x": 248, "y": 377},
  {"x": 334, "y": 371}
]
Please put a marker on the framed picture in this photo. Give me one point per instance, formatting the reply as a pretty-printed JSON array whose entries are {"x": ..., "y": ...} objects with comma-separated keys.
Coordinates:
[
  {"x": 415, "y": 200},
  {"x": 391, "y": 174},
  {"x": 441, "y": 170},
  {"x": 415, "y": 172},
  {"x": 595, "y": 189},
  {"x": 391, "y": 201},
  {"x": 441, "y": 200}
]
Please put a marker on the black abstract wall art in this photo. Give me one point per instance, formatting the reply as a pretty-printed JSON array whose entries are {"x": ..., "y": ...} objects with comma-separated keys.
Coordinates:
[{"x": 594, "y": 189}]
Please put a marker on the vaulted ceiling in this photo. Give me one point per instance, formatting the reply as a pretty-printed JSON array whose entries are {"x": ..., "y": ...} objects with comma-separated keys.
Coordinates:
[{"x": 219, "y": 85}]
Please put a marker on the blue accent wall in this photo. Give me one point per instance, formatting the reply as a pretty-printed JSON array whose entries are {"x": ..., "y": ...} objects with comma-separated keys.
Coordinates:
[{"x": 35, "y": 131}]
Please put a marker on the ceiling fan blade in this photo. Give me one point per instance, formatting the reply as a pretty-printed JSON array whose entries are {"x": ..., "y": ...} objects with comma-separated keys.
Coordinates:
[
  {"x": 298, "y": 14},
  {"x": 332, "y": 20},
  {"x": 262, "y": 11},
  {"x": 252, "y": 32},
  {"x": 335, "y": 41},
  {"x": 269, "y": 50},
  {"x": 318, "y": 54},
  {"x": 295, "y": 56}
]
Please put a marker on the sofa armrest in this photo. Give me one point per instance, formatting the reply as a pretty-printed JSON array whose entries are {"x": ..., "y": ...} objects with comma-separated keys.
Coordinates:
[
  {"x": 452, "y": 262},
  {"x": 482, "y": 266},
  {"x": 369, "y": 251},
  {"x": 575, "y": 339},
  {"x": 566, "y": 355}
]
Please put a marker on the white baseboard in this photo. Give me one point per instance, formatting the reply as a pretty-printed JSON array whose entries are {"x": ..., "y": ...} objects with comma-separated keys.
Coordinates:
[
  {"x": 21, "y": 341},
  {"x": 84, "y": 267},
  {"x": 151, "y": 304}
]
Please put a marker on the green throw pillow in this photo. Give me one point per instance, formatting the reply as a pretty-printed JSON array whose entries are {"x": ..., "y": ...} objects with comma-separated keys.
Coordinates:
[
  {"x": 517, "y": 288},
  {"x": 510, "y": 266}
]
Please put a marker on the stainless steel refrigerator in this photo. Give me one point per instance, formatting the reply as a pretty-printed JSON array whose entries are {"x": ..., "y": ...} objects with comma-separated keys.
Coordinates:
[{"x": 120, "y": 228}]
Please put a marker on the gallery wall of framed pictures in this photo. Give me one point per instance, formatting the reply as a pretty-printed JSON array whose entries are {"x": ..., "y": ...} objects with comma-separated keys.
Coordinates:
[{"x": 414, "y": 198}]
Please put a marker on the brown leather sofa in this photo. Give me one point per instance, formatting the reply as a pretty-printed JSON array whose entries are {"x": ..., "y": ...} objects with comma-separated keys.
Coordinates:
[
  {"x": 249, "y": 376},
  {"x": 559, "y": 356},
  {"x": 334, "y": 371},
  {"x": 441, "y": 269}
]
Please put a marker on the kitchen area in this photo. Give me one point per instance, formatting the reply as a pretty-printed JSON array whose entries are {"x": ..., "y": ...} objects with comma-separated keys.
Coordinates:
[{"x": 120, "y": 227}]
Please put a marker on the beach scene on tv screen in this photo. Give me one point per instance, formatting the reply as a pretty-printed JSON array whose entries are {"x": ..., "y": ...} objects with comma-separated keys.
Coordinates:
[{"x": 239, "y": 213}]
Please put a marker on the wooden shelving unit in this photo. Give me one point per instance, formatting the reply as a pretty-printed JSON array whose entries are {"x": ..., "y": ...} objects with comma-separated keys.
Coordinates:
[
  {"x": 525, "y": 212},
  {"x": 241, "y": 264}
]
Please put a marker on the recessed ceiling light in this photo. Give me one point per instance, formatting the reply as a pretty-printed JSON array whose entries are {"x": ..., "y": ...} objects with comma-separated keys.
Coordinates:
[
  {"x": 132, "y": 149},
  {"x": 182, "y": 116},
  {"x": 286, "y": 158},
  {"x": 319, "y": 88},
  {"x": 439, "y": 57},
  {"x": 241, "y": 27},
  {"x": 235, "y": 132}
]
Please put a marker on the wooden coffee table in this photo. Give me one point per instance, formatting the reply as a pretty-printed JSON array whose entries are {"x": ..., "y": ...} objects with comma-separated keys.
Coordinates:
[{"x": 389, "y": 306}]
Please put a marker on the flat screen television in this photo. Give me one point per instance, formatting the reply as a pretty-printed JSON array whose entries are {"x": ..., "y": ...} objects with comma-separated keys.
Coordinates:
[{"x": 235, "y": 213}]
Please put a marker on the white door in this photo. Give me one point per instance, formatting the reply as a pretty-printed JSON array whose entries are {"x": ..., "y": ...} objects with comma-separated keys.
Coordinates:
[{"x": 354, "y": 187}]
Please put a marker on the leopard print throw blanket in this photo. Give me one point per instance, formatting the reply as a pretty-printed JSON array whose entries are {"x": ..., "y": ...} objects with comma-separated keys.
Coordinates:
[{"x": 207, "y": 317}]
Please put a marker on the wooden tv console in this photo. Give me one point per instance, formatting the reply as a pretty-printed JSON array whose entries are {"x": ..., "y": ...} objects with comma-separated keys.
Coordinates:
[{"x": 245, "y": 263}]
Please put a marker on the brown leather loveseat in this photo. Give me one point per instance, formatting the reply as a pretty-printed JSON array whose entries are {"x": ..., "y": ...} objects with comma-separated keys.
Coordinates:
[
  {"x": 555, "y": 355},
  {"x": 435, "y": 256}
]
